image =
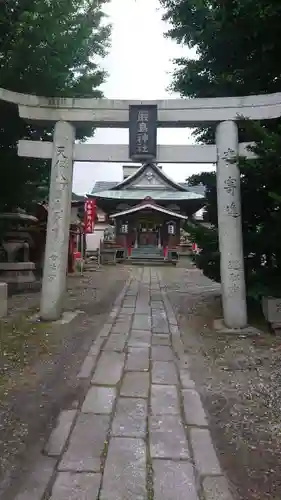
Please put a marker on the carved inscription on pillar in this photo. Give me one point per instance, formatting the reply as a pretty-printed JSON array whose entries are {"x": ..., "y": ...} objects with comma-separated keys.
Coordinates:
[
  {"x": 234, "y": 265},
  {"x": 234, "y": 276},
  {"x": 61, "y": 184},
  {"x": 230, "y": 185},
  {"x": 53, "y": 266},
  {"x": 233, "y": 210}
]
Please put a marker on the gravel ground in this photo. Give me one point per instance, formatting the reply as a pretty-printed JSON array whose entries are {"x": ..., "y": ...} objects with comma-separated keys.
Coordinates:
[
  {"x": 239, "y": 380},
  {"x": 39, "y": 364}
]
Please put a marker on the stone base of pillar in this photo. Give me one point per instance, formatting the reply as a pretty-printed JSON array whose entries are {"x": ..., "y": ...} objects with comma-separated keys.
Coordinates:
[
  {"x": 248, "y": 331},
  {"x": 66, "y": 317}
]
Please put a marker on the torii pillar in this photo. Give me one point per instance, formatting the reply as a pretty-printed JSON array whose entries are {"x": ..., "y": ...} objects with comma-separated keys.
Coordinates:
[
  {"x": 230, "y": 227},
  {"x": 59, "y": 216}
]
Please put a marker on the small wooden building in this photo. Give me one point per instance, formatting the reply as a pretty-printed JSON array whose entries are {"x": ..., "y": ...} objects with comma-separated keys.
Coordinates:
[{"x": 148, "y": 210}]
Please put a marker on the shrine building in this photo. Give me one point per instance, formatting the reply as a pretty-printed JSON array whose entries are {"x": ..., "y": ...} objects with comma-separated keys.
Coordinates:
[{"x": 148, "y": 210}]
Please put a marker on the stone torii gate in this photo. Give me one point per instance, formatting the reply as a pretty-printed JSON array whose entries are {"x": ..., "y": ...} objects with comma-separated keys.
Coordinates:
[{"x": 66, "y": 113}]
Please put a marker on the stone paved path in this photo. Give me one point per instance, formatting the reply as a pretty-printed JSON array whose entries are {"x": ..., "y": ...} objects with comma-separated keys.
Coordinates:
[{"x": 141, "y": 432}]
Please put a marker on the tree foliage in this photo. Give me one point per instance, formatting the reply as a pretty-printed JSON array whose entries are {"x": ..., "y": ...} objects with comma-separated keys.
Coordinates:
[
  {"x": 238, "y": 48},
  {"x": 261, "y": 216},
  {"x": 49, "y": 48},
  {"x": 238, "y": 53}
]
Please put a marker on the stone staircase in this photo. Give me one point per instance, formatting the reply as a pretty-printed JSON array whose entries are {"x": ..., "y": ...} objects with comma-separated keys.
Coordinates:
[{"x": 147, "y": 255}]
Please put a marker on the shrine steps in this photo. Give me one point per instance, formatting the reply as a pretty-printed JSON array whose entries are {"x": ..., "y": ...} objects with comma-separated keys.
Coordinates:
[
  {"x": 147, "y": 251},
  {"x": 149, "y": 256},
  {"x": 149, "y": 262}
]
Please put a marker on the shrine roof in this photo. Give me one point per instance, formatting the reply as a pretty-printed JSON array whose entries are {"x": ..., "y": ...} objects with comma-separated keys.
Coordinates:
[
  {"x": 140, "y": 194},
  {"x": 148, "y": 179},
  {"x": 107, "y": 185},
  {"x": 149, "y": 175},
  {"x": 148, "y": 206},
  {"x": 103, "y": 186}
]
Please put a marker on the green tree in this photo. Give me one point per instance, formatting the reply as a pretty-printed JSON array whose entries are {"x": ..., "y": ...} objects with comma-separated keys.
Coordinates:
[
  {"x": 49, "y": 48},
  {"x": 238, "y": 48},
  {"x": 261, "y": 216}
]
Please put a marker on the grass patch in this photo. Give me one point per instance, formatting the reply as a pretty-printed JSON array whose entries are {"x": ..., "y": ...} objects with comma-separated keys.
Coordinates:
[{"x": 22, "y": 342}]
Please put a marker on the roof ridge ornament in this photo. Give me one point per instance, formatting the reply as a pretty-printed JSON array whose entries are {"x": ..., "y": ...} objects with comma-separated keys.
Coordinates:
[{"x": 148, "y": 199}]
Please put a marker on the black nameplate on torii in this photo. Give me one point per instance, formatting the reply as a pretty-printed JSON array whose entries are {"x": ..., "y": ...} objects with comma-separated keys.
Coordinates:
[{"x": 143, "y": 132}]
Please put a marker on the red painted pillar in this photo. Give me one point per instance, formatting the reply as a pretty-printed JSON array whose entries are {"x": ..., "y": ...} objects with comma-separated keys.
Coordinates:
[{"x": 71, "y": 254}]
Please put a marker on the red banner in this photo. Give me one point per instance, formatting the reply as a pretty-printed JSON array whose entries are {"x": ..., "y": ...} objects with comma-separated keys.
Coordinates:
[{"x": 89, "y": 215}]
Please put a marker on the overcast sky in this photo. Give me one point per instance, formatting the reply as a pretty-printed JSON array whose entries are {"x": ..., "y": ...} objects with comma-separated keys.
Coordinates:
[{"x": 140, "y": 67}]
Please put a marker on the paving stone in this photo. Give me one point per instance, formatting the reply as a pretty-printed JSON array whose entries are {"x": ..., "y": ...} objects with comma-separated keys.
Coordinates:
[
  {"x": 125, "y": 470},
  {"x": 105, "y": 330},
  {"x": 161, "y": 339},
  {"x": 193, "y": 409},
  {"x": 122, "y": 318},
  {"x": 162, "y": 353},
  {"x": 167, "y": 438},
  {"x": 140, "y": 339},
  {"x": 99, "y": 400},
  {"x": 216, "y": 488},
  {"x": 138, "y": 359},
  {"x": 159, "y": 315},
  {"x": 116, "y": 342},
  {"x": 57, "y": 440},
  {"x": 128, "y": 311},
  {"x": 96, "y": 347},
  {"x": 174, "y": 329},
  {"x": 159, "y": 321},
  {"x": 109, "y": 368},
  {"x": 142, "y": 322},
  {"x": 173, "y": 480},
  {"x": 205, "y": 457},
  {"x": 164, "y": 372},
  {"x": 130, "y": 302},
  {"x": 121, "y": 328},
  {"x": 186, "y": 381},
  {"x": 37, "y": 482},
  {"x": 114, "y": 312},
  {"x": 171, "y": 317},
  {"x": 87, "y": 367},
  {"x": 86, "y": 444},
  {"x": 155, "y": 313},
  {"x": 164, "y": 329},
  {"x": 170, "y": 311},
  {"x": 157, "y": 304},
  {"x": 178, "y": 345},
  {"x": 143, "y": 309},
  {"x": 122, "y": 325},
  {"x": 164, "y": 400},
  {"x": 71, "y": 486},
  {"x": 135, "y": 384},
  {"x": 118, "y": 301},
  {"x": 159, "y": 311},
  {"x": 156, "y": 295},
  {"x": 130, "y": 418}
]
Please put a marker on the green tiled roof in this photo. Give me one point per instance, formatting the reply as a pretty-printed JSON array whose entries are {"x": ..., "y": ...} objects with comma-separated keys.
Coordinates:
[
  {"x": 108, "y": 185},
  {"x": 137, "y": 194}
]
